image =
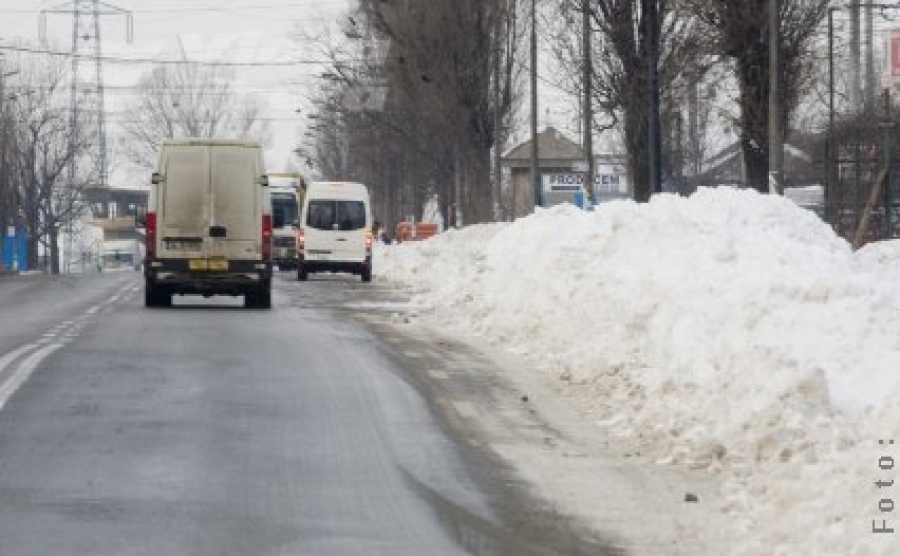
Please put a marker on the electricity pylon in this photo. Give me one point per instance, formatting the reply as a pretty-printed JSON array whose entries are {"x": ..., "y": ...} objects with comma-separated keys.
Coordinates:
[{"x": 86, "y": 96}]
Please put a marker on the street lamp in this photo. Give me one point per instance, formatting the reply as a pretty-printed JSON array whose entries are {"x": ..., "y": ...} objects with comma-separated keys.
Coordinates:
[{"x": 829, "y": 136}]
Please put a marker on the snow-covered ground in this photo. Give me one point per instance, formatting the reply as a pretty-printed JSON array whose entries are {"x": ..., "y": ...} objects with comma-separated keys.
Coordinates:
[{"x": 729, "y": 334}]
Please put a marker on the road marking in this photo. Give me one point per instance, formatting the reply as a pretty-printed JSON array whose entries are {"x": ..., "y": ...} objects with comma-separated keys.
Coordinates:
[
  {"x": 15, "y": 354},
  {"x": 440, "y": 375},
  {"x": 412, "y": 354},
  {"x": 8, "y": 388},
  {"x": 466, "y": 409},
  {"x": 93, "y": 309}
]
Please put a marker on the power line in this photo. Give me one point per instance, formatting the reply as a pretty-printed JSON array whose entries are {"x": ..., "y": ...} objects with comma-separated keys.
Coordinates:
[
  {"x": 208, "y": 9},
  {"x": 124, "y": 60}
]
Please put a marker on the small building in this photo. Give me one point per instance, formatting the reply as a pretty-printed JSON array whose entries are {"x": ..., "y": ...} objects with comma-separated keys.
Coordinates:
[
  {"x": 115, "y": 211},
  {"x": 561, "y": 165}
]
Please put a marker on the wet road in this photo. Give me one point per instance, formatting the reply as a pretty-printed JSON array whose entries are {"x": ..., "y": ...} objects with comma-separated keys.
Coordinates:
[{"x": 210, "y": 429}]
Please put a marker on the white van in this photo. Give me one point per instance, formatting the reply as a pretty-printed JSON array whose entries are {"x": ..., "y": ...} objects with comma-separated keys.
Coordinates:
[
  {"x": 335, "y": 230},
  {"x": 209, "y": 223}
]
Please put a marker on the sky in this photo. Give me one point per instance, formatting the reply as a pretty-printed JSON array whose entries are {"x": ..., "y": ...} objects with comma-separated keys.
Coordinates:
[
  {"x": 245, "y": 31},
  {"x": 726, "y": 343}
]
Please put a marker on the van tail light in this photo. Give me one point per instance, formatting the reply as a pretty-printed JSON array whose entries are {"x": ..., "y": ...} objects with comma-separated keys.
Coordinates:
[
  {"x": 301, "y": 241},
  {"x": 369, "y": 240},
  {"x": 150, "y": 237},
  {"x": 267, "y": 237}
]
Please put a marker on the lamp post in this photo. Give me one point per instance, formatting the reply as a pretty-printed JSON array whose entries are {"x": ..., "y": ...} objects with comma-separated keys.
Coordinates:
[
  {"x": 654, "y": 140},
  {"x": 776, "y": 141},
  {"x": 588, "y": 115},
  {"x": 829, "y": 135},
  {"x": 535, "y": 174}
]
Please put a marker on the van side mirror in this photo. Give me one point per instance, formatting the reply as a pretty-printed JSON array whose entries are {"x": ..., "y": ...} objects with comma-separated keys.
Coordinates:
[
  {"x": 157, "y": 178},
  {"x": 263, "y": 181}
]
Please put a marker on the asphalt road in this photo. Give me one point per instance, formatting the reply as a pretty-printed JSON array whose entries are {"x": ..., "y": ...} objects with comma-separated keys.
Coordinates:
[{"x": 210, "y": 429}]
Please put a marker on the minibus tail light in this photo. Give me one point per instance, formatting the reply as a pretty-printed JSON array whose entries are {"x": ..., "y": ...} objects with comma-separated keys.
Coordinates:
[
  {"x": 267, "y": 237},
  {"x": 150, "y": 237}
]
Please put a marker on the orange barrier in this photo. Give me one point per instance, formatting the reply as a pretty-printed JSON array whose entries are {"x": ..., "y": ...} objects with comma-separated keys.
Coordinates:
[{"x": 407, "y": 231}]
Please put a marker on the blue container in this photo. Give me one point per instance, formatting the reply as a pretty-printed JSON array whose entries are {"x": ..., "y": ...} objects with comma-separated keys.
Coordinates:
[{"x": 15, "y": 247}]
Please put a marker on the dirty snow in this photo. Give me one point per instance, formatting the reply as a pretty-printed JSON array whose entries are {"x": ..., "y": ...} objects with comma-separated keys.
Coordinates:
[{"x": 729, "y": 334}]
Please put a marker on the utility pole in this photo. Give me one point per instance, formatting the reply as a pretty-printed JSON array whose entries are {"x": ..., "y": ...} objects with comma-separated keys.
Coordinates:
[
  {"x": 499, "y": 29},
  {"x": 776, "y": 141},
  {"x": 853, "y": 63},
  {"x": 869, "y": 82},
  {"x": 654, "y": 143},
  {"x": 588, "y": 112},
  {"x": 535, "y": 175},
  {"x": 830, "y": 148},
  {"x": 694, "y": 126}
]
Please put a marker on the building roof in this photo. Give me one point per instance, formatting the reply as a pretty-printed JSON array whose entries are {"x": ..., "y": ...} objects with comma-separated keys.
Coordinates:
[{"x": 552, "y": 145}]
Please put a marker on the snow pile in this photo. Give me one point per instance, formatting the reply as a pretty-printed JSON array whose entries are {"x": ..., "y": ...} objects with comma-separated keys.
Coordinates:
[{"x": 730, "y": 332}]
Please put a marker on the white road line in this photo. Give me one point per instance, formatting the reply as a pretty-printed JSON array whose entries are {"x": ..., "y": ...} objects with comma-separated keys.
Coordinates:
[
  {"x": 440, "y": 375},
  {"x": 93, "y": 310},
  {"x": 15, "y": 354},
  {"x": 8, "y": 388},
  {"x": 412, "y": 354},
  {"x": 465, "y": 409}
]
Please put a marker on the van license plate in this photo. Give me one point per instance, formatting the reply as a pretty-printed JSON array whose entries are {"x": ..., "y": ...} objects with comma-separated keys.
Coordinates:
[
  {"x": 218, "y": 265},
  {"x": 183, "y": 245},
  {"x": 198, "y": 264}
]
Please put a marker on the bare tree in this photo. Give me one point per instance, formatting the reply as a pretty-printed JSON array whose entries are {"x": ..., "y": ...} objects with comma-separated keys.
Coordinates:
[
  {"x": 440, "y": 64},
  {"x": 445, "y": 63},
  {"x": 47, "y": 145},
  {"x": 741, "y": 33},
  {"x": 188, "y": 100},
  {"x": 621, "y": 67}
]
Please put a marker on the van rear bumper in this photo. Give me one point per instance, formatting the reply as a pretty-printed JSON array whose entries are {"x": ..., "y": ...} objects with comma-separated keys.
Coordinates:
[
  {"x": 175, "y": 276},
  {"x": 355, "y": 267}
]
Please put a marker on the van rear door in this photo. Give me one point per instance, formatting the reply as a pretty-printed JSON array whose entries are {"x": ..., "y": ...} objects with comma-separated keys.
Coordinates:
[
  {"x": 184, "y": 218},
  {"x": 336, "y": 229},
  {"x": 235, "y": 226}
]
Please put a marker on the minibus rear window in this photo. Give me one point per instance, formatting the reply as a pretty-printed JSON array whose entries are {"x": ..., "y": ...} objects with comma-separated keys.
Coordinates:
[{"x": 336, "y": 215}]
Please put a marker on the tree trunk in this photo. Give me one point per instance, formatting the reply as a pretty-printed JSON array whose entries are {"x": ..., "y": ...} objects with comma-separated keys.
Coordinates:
[
  {"x": 33, "y": 250},
  {"x": 752, "y": 73},
  {"x": 53, "y": 235},
  {"x": 638, "y": 151},
  {"x": 478, "y": 199}
]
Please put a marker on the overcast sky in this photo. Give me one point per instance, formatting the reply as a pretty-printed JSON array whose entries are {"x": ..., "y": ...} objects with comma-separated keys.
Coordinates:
[{"x": 244, "y": 31}]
